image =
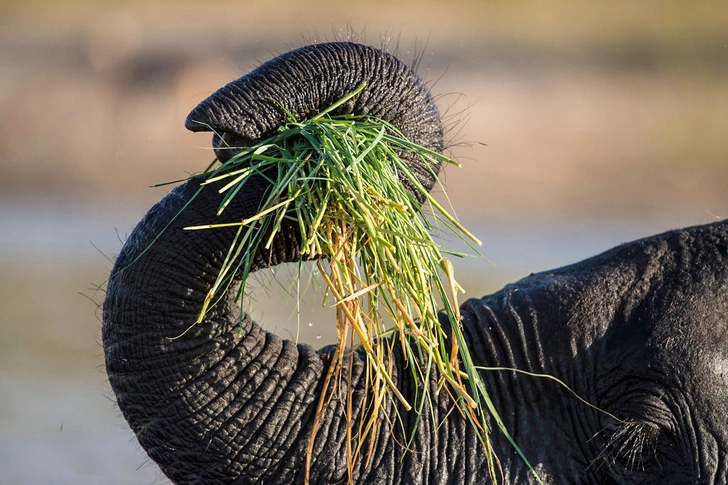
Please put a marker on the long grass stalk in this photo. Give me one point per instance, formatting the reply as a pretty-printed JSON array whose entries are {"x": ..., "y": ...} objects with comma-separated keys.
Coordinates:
[{"x": 340, "y": 180}]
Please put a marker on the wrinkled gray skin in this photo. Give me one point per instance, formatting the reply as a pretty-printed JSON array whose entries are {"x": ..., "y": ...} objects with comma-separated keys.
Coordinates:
[{"x": 639, "y": 331}]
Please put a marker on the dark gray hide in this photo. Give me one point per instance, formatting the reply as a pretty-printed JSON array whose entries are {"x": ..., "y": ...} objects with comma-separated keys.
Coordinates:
[{"x": 639, "y": 331}]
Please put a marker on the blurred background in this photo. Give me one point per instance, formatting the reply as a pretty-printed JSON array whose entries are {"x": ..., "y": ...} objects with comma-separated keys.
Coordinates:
[{"x": 579, "y": 125}]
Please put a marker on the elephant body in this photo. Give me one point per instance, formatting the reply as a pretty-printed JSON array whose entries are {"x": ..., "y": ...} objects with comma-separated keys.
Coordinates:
[{"x": 638, "y": 333}]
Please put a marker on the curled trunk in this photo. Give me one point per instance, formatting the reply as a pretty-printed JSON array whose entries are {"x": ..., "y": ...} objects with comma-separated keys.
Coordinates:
[
  {"x": 225, "y": 401},
  {"x": 639, "y": 332}
]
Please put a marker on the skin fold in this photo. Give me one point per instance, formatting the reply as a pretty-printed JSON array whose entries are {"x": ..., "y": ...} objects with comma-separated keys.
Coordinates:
[{"x": 639, "y": 332}]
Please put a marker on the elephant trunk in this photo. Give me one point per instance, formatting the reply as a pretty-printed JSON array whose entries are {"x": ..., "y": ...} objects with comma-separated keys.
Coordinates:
[{"x": 224, "y": 401}]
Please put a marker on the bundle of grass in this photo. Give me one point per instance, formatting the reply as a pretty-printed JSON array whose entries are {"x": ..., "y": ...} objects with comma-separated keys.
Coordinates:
[{"x": 345, "y": 183}]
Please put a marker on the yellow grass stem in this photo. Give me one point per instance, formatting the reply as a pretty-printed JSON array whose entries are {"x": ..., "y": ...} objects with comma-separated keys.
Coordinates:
[{"x": 340, "y": 178}]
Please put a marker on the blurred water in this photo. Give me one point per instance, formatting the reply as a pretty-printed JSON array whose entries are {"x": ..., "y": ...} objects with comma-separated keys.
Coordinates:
[
  {"x": 38, "y": 229},
  {"x": 58, "y": 422},
  {"x": 66, "y": 431}
]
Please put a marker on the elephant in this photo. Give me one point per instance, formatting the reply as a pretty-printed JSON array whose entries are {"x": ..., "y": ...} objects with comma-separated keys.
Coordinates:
[{"x": 638, "y": 333}]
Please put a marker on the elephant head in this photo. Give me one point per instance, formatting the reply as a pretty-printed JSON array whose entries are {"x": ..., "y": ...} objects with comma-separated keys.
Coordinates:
[{"x": 640, "y": 333}]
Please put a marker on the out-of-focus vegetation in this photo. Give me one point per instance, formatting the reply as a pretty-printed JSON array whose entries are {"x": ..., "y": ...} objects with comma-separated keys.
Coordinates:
[{"x": 588, "y": 108}]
